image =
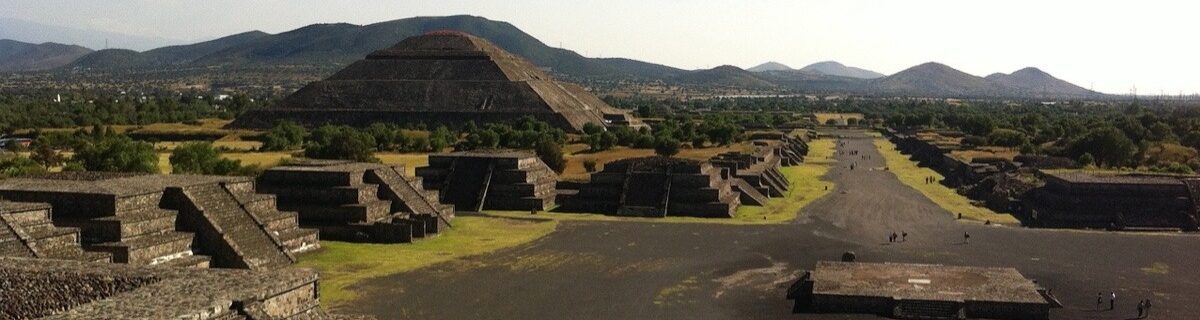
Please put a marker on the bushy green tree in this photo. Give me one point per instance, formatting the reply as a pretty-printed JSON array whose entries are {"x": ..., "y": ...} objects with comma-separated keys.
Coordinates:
[
  {"x": 1108, "y": 145},
  {"x": 666, "y": 146},
  {"x": 551, "y": 153},
  {"x": 1007, "y": 138},
  {"x": 284, "y": 136},
  {"x": 202, "y": 158},
  {"x": 116, "y": 153},
  {"x": 341, "y": 143},
  {"x": 12, "y": 165}
]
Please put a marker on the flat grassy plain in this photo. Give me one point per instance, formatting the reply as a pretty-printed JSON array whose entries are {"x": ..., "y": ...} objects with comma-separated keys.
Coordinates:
[
  {"x": 342, "y": 264},
  {"x": 914, "y": 176},
  {"x": 805, "y": 186}
]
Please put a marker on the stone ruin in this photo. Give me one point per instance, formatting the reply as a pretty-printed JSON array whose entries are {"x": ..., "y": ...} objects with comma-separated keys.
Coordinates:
[
  {"x": 441, "y": 78},
  {"x": 755, "y": 176},
  {"x": 173, "y": 220},
  {"x": 656, "y": 187},
  {"x": 26, "y": 231},
  {"x": 1116, "y": 201},
  {"x": 362, "y": 202},
  {"x": 491, "y": 180},
  {"x": 920, "y": 291},
  {"x": 59, "y": 289},
  {"x": 791, "y": 150}
]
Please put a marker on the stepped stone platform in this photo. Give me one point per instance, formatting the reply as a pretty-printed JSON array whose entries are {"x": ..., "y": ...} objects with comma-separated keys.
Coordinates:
[
  {"x": 1117, "y": 201},
  {"x": 791, "y": 150},
  {"x": 920, "y": 291},
  {"x": 57, "y": 289},
  {"x": 756, "y": 173},
  {"x": 656, "y": 187},
  {"x": 362, "y": 202},
  {"x": 26, "y": 231},
  {"x": 491, "y": 180},
  {"x": 441, "y": 78},
  {"x": 175, "y": 220}
]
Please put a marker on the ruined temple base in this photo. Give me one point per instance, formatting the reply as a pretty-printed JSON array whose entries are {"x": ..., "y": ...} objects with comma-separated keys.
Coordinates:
[{"x": 919, "y": 291}]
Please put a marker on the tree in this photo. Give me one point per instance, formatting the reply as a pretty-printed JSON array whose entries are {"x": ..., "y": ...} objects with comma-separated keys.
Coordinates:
[
  {"x": 1160, "y": 131},
  {"x": 1087, "y": 160},
  {"x": 551, "y": 154},
  {"x": 202, "y": 158},
  {"x": 286, "y": 135},
  {"x": 340, "y": 143},
  {"x": 116, "y": 153},
  {"x": 666, "y": 146},
  {"x": 1108, "y": 145},
  {"x": 441, "y": 138},
  {"x": 46, "y": 155},
  {"x": 14, "y": 165},
  {"x": 1007, "y": 138}
]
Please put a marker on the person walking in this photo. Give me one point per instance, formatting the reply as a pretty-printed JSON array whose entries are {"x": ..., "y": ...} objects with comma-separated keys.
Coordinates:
[
  {"x": 1147, "y": 308},
  {"x": 966, "y": 238},
  {"x": 1099, "y": 300},
  {"x": 1141, "y": 307},
  {"x": 904, "y": 236},
  {"x": 1112, "y": 301}
]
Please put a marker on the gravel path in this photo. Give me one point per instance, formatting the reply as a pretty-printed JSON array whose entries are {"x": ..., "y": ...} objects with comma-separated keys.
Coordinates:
[{"x": 610, "y": 270}]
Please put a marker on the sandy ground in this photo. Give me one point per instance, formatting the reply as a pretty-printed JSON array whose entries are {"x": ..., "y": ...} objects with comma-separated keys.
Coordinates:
[{"x": 612, "y": 270}]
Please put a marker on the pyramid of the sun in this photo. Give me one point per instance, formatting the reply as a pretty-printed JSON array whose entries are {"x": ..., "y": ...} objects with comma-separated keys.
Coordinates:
[{"x": 440, "y": 78}]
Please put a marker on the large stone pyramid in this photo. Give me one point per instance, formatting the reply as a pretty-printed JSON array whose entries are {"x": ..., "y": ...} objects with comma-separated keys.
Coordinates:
[{"x": 443, "y": 77}]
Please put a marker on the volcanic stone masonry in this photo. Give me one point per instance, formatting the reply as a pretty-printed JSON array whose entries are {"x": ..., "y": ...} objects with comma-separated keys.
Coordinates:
[
  {"x": 920, "y": 291},
  {"x": 491, "y": 180},
  {"x": 59, "y": 289},
  {"x": 656, "y": 187},
  {"x": 174, "y": 220},
  {"x": 26, "y": 231},
  {"x": 441, "y": 78},
  {"x": 362, "y": 202},
  {"x": 1117, "y": 201}
]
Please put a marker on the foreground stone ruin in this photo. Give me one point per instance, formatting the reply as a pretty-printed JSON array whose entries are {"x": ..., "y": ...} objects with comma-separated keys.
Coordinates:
[
  {"x": 26, "y": 231},
  {"x": 656, "y": 187},
  {"x": 362, "y": 202},
  {"x": 491, "y": 180},
  {"x": 920, "y": 291},
  {"x": 791, "y": 150},
  {"x": 1115, "y": 201},
  {"x": 58, "y": 289},
  {"x": 441, "y": 78},
  {"x": 174, "y": 220}
]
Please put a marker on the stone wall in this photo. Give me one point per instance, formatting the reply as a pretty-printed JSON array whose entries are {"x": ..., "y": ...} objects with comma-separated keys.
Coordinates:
[
  {"x": 656, "y": 187},
  {"x": 491, "y": 180},
  {"x": 1084, "y": 200}
]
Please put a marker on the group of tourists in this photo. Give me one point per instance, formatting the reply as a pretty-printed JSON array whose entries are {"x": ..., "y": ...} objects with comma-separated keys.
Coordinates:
[
  {"x": 902, "y": 237},
  {"x": 1143, "y": 307},
  {"x": 930, "y": 180}
]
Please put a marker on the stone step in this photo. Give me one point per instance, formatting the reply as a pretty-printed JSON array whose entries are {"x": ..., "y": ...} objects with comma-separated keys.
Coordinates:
[
  {"x": 280, "y": 220},
  {"x": 118, "y": 228},
  {"x": 76, "y": 254},
  {"x": 28, "y": 218},
  {"x": 48, "y": 237},
  {"x": 14, "y": 248},
  {"x": 251, "y": 243},
  {"x": 299, "y": 240},
  {"x": 192, "y": 262},
  {"x": 147, "y": 249}
]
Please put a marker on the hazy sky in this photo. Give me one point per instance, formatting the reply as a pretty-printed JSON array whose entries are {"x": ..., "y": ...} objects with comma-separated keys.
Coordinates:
[{"x": 1111, "y": 45}]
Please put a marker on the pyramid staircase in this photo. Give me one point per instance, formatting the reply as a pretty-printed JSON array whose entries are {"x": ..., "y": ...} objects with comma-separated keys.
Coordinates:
[
  {"x": 27, "y": 231},
  {"x": 928, "y": 309},
  {"x": 407, "y": 195},
  {"x": 232, "y": 234},
  {"x": 140, "y": 235}
]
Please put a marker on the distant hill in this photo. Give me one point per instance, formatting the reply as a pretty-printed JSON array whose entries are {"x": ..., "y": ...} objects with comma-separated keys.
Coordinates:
[
  {"x": 834, "y": 68},
  {"x": 111, "y": 59},
  {"x": 770, "y": 66},
  {"x": 804, "y": 81},
  {"x": 1038, "y": 82},
  {"x": 16, "y": 56},
  {"x": 725, "y": 76},
  {"x": 35, "y": 32},
  {"x": 937, "y": 80},
  {"x": 338, "y": 44}
]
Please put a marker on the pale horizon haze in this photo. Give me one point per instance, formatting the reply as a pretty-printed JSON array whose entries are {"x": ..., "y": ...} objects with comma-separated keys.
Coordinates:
[{"x": 1110, "y": 46}]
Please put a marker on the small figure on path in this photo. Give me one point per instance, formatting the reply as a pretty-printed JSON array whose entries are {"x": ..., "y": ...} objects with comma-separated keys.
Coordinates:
[
  {"x": 966, "y": 238},
  {"x": 904, "y": 236},
  {"x": 1112, "y": 301},
  {"x": 1099, "y": 300},
  {"x": 894, "y": 236},
  {"x": 1147, "y": 308},
  {"x": 1141, "y": 307}
]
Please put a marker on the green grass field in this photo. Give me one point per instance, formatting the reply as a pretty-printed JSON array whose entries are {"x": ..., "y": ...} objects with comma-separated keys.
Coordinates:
[
  {"x": 805, "y": 186},
  {"x": 342, "y": 265},
  {"x": 914, "y": 176}
]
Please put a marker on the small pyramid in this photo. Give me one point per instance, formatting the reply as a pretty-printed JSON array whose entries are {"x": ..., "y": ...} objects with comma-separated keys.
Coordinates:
[{"x": 440, "y": 78}]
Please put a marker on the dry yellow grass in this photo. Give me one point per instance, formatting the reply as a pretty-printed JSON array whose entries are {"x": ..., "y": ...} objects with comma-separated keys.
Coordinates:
[
  {"x": 912, "y": 175},
  {"x": 261, "y": 159},
  {"x": 410, "y": 160}
]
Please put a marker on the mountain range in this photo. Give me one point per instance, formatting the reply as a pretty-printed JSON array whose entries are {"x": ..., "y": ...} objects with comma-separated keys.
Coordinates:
[{"x": 330, "y": 46}]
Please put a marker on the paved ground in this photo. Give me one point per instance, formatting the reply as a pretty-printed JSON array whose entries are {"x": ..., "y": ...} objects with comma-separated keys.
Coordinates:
[{"x": 607, "y": 270}]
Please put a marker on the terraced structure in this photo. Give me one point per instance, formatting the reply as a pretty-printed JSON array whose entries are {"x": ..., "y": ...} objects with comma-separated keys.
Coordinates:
[
  {"x": 361, "y": 202},
  {"x": 656, "y": 187},
  {"x": 491, "y": 180}
]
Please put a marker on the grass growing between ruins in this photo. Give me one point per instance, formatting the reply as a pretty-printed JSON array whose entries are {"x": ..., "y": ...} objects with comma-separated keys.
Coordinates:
[
  {"x": 914, "y": 176},
  {"x": 805, "y": 187},
  {"x": 342, "y": 264}
]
